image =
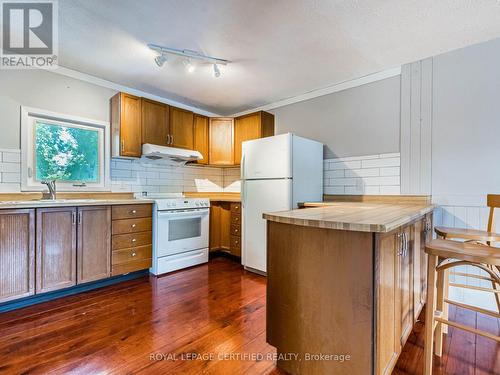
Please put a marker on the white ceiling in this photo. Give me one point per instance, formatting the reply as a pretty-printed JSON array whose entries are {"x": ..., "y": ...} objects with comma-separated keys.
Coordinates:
[{"x": 279, "y": 48}]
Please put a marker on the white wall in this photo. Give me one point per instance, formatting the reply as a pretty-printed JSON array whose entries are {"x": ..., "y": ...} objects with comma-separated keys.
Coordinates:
[
  {"x": 49, "y": 91},
  {"x": 466, "y": 125},
  {"x": 359, "y": 121}
]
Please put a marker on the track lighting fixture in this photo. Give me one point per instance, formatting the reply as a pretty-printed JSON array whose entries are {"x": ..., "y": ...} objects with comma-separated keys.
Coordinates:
[
  {"x": 160, "y": 60},
  {"x": 189, "y": 56},
  {"x": 189, "y": 66},
  {"x": 216, "y": 71}
]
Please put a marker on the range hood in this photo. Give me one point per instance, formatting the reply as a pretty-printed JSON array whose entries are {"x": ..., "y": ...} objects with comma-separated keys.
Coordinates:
[{"x": 175, "y": 155}]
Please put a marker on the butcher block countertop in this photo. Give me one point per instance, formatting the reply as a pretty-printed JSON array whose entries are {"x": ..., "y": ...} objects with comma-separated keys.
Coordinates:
[
  {"x": 352, "y": 216},
  {"x": 33, "y": 200}
]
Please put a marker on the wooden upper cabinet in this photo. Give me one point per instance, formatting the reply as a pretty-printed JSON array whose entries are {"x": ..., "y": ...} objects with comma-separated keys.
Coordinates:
[
  {"x": 252, "y": 126},
  {"x": 221, "y": 145},
  {"x": 55, "y": 248},
  {"x": 126, "y": 125},
  {"x": 201, "y": 137},
  {"x": 181, "y": 128},
  {"x": 155, "y": 123},
  {"x": 17, "y": 254},
  {"x": 94, "y": 243}
]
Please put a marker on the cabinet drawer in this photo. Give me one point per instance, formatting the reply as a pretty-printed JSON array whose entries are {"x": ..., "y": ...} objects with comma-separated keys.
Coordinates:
[
  {"x": 135, "y": 265},
  {"x": 235, "y": 245},
  {"x": 236, "y": 208},
  {"x": 235, "y": 230},
  {"x": 131, "y": 225},
  {"x": 235, "y": 218},
  {"x": 123, "y": 241},
  {"x": 131, "y": 254},
  {"x": 131, "y": 211}
]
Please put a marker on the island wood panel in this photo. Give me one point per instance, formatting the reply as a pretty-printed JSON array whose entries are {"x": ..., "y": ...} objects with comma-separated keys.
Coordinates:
[
  {"x": 387, "y": 344},
  {"x": 155, "y": 122},
  {"x": 404, "y": 297},
  {"x": 94, "y": 243},
  {"x": 314, "y": 275},
  {"x": 55, "y": 248},
  {"x": 17, "y": 254},
  {"x": 201, "y": 138}
]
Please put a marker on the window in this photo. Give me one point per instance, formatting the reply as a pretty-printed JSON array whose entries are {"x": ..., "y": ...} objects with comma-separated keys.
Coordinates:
[{"x": 71, "y": 150}]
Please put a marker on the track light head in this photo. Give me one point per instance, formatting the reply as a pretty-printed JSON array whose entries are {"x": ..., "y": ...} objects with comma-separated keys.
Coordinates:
[
  {"x": 216, "y": 71},
  {"x": 160, "y": 60},
  {"x": 189, "y": 65}
]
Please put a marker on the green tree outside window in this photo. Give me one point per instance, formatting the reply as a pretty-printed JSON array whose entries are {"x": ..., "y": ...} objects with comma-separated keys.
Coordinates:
[{"x": 66, "y": 153}]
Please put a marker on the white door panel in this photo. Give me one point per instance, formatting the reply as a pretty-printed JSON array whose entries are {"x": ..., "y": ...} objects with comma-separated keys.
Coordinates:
[
  {"x": 261, "y": 196},
  {"x": 269, "y": 157}
]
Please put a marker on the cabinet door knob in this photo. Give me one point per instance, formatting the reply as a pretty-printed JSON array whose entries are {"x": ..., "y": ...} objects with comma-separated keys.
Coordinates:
[
  {"x": 133, "y": 225},
  {"x": 134, "y": 254},
  {"x": 134, "y": 240},
  {"x": 133, "y": 212}
]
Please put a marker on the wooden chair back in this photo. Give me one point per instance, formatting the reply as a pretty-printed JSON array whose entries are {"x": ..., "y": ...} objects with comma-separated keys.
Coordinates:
[{"x": 493, "y": 201}]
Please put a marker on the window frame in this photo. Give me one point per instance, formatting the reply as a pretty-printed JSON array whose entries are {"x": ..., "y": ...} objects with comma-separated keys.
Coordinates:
[{"x": 28, "y": 120}]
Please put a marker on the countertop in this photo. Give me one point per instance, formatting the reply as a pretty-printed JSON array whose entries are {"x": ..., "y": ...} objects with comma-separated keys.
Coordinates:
[
  {"x": 352, "y": 216},
  {"x": 216, "y": 197},
  {"x": 70, "y": 202}
]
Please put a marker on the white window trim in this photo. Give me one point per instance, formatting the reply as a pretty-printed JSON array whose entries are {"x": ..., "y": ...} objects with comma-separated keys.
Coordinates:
[{"x": 27, "y": 149}]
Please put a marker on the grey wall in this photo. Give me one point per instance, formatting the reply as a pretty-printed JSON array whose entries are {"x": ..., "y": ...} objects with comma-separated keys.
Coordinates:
[
  {"x": 466, "y": 121},
  {"x": 49, "y": 91},
  {"x": 359, "y": 121}
]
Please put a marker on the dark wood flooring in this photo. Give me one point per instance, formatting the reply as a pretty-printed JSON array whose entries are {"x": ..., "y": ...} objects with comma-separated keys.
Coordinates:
[{"x": 211, "y": 309}]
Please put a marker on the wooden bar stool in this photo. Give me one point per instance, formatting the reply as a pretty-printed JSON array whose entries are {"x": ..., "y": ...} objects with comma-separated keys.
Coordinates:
[
  {"x": 444, "y": 255},
  {"x": 473, "y": 235}
]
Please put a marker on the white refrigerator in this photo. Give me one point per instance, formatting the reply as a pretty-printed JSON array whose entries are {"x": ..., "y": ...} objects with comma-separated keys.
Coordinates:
[{"x": 276, "y": 173}]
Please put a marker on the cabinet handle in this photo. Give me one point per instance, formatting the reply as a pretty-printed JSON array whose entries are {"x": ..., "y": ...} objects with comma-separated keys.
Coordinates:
[
  {"x": 134, "y": 254},
  {"x": 133, "y": 225},
  {"x": 123, "y": 145},
  {"x": 133, "y": 212},
  {"x": 80, "y": 217},
  {"x": 134, "y": 240},
  {"x": 73, "y": 218}
]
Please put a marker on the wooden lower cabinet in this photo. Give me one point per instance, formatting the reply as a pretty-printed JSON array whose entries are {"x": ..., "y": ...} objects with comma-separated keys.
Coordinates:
[
  {"x": 401, "y": 271},
  {"x": 94, "y": 243},
  {"x": 131, "y": 239},
  {"x": 55, "y": 248},
  {"x": 17, "y": 254},
  {"x": 225, "y": 227}
]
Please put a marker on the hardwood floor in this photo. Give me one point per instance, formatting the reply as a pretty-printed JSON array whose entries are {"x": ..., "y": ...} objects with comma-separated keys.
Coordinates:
[
  {"x": 463, "y": 352},
  {"x": 140, "y": 326}
]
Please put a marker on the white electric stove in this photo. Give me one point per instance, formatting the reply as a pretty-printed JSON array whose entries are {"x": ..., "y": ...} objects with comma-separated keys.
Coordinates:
[{"x": 180, "y": 232}]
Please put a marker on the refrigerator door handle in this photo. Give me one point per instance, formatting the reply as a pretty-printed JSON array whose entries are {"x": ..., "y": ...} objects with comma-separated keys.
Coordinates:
[{"x": 242, "y": 167}]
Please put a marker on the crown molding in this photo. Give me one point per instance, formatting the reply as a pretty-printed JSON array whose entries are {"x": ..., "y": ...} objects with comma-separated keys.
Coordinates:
[
  {"x": 327, "y": 90},
  {"x": 115, "y": 86}
]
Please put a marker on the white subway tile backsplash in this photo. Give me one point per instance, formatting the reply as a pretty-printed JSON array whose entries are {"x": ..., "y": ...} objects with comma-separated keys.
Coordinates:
[
  {"x": 11, "y": 177},
  {"x": 370, "y": 175},
  {"x": 10, "y": 167},
  {"x": 390, "y": 171},
  {"x": 11, "y": 157},
  {"x": 368, "y": 172},
  {"x": 382, "y": 162}
]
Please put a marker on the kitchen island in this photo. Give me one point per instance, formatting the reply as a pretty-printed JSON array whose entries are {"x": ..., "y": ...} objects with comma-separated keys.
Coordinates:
[{"x": 346, "y": 282}]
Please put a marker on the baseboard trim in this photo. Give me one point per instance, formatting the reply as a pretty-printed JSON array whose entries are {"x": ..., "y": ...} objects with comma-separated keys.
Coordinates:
[{"x": 36, "y": 299}]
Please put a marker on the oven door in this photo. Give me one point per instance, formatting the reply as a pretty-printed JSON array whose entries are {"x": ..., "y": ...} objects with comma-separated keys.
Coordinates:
[{"x": 181, "y": 231}]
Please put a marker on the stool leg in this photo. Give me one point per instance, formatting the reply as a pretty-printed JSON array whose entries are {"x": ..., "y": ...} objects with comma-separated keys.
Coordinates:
[
  {"x": 438, "y": 333},
  {"x": 495, "y": 286},
  {"x": 429, "y": 314}
]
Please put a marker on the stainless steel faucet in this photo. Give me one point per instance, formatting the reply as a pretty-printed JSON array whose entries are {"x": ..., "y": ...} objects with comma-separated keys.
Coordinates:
[{"x": 52, "y": 190}]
